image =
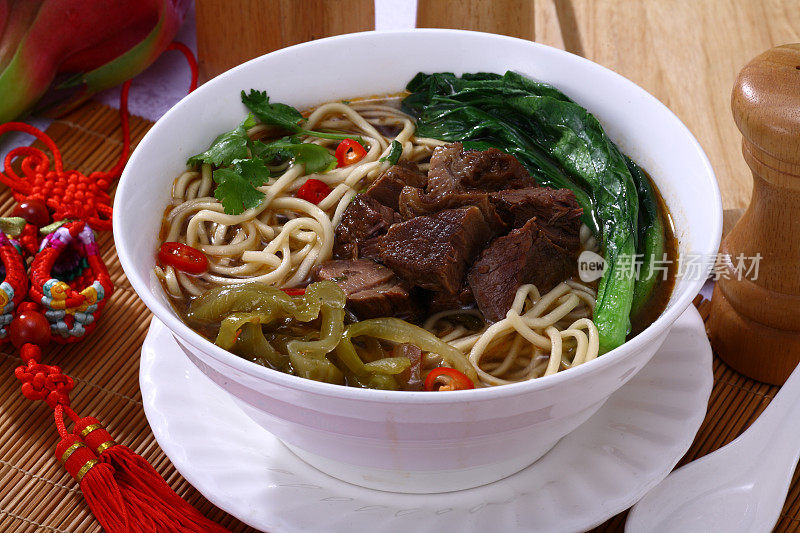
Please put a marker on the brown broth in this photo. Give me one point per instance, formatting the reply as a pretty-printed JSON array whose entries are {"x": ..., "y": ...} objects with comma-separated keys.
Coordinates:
[{"x": 658, "y": 301}]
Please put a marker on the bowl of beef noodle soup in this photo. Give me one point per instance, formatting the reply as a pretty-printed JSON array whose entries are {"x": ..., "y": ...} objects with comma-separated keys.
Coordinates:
[{"x": 421, "y": 267}]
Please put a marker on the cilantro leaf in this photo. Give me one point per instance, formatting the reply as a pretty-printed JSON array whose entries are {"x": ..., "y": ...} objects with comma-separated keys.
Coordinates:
[
  {"x": 236, "y": 187},
  {"x": 316, "y": 158},
  {"x": 281, "y": 115},
  {"x": 227, "y": 147},
  {"x": 285, "y": 116},
  {"x": 253, "y": 170},
  {"x": 394, "y": 153}
]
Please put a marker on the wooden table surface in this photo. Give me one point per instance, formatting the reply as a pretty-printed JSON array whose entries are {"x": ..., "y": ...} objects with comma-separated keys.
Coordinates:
[{"x": 685, "y": 52}]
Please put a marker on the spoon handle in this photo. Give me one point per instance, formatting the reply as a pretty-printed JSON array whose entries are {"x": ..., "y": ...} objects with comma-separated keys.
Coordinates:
[{"x": 779, "y": 425}]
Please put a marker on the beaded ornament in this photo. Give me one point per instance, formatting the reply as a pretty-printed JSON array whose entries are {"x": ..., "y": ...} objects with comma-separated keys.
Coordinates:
[{"x": 69, "y": 285}]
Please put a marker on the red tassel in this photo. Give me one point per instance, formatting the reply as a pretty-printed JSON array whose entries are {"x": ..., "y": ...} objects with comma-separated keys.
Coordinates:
[
  {"x": 140, "y": 482},
  {"x": 123, "y": 491},
  {"x": 100, "y": 489}
]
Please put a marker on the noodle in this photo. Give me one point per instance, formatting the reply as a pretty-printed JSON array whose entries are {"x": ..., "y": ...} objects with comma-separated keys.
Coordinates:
[
  {"x": 545, "y": 323},
  {"x": 281, "y": 240}
]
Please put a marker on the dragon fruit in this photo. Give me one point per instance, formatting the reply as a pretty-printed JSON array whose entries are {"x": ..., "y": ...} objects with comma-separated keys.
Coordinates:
[{"x": 90, "y": 45}]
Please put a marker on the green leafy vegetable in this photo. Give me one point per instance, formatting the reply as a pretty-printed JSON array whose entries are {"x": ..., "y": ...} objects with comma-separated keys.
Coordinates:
[
  {"x": 253, "y": 170},
  {"x": 240, "y": 161},
  {"x": 652, "y": 238},
  {"x": 395, "y": 151},
  {"x": 563, "y": 146},
  {"x": 285, "y": 116},
  {"x": 227, "y": 147},
  {"x": 316, "y": 158},
  {"x": 236, "y": 186}
]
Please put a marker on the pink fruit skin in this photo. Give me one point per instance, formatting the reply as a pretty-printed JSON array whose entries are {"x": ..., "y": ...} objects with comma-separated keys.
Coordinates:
[
  {"x": 77, "y": 36},
  {"x": 17, "y": 15},
  {"x": 91, "y": 58}
]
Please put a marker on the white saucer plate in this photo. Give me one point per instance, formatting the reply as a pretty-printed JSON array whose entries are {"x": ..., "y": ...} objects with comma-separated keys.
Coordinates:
[{"x": 595, "y": 472}]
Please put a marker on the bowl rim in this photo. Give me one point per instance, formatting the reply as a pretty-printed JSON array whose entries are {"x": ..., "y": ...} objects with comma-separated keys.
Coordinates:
[{"x": 185, "y": 334}]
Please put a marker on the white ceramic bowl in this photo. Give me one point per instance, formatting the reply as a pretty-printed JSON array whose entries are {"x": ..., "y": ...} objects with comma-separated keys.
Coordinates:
[{"x": 416, "y": 441}]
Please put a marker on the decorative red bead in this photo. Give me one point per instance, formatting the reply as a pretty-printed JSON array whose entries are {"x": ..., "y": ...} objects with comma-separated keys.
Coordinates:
[
  {"x": 29, "y": 327},
  {"x": 34, "y": 212}
]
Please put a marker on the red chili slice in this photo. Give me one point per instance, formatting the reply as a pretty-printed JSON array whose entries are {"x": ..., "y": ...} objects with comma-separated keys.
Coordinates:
[
  {"x": 183, "y": 257},
  {"x": 444, "y": 378},
  {"x": 294, "y": 292},
  {"x": 349, "y": 151},
  {"x": 313, "y": 191}
]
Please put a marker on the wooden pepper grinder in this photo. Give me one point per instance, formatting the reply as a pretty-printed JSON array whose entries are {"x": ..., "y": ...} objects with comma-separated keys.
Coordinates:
[{"x": 755, "y": 313}]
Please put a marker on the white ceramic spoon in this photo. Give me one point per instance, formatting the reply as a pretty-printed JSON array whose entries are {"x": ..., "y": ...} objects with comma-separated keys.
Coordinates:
[{"x": 739, "y": 488}]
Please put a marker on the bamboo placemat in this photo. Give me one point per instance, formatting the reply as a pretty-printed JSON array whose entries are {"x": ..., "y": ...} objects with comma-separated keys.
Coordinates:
[{"x": 36, "y": 493}]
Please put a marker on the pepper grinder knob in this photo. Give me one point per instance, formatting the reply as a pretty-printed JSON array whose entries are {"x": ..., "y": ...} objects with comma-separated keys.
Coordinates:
[{"x": 754, "y": 322}]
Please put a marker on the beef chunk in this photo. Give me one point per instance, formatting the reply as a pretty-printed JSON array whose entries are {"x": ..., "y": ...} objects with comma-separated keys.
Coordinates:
[
  {"x": 372, "y": 290},
  {"x": 556, "y": 211},
  {"x": 433, "y": 251},
  {"x": 525, "y": 255},
  {"x": 353, "y": 275},
  {"x": 454, "y": 169},
  {"x": 363, "y": 222},
  {"x": 413, "y": 202},
  {"x": 370, "y": 214},
  {"x": 391, "y": 299},
  {"x": 386, "y": 189}
]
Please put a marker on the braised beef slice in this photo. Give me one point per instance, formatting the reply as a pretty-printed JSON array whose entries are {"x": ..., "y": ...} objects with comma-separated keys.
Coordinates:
[
  {"x": 556, "y": 211},
  {"x": 386, "y": 189},
  {"x": 389, "y": 299},
  {"x": 525, "y": 255},
  {"x": 363, "y": 222},
  {"x": 372, "y": 290},
  {"x": 414, "y": 202},
  {"x": 454, "y": 169},
  {"x": 433, "y": 251},
  {"x": 353, "y": 275}
]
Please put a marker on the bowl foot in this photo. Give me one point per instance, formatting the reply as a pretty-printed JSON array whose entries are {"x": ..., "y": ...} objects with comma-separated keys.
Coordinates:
[{"x": 420, "y": 482}]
